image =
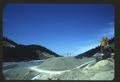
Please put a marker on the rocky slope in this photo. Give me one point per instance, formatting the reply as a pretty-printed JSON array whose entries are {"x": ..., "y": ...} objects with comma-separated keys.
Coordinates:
[
  {"x": 102, "y": 70},
  {"x": 62, "y": 63}
]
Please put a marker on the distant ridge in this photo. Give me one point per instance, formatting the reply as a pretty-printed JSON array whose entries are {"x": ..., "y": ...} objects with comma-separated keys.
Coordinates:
[
  {"x": 19, "y": 52},
  {"x": 39, "y": 47},
  {"x": 91, "y": 52},
  {"x": 8, "y": 41}
]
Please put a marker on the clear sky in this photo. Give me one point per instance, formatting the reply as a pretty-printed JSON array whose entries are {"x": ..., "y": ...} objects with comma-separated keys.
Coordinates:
[{"x": 62, "y": 28}]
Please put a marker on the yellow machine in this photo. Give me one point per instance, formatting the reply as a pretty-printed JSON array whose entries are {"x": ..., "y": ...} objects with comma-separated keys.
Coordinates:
[{"x": 104, "y": 43}]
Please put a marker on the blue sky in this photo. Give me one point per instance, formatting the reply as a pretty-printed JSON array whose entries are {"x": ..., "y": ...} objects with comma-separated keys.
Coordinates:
[{"x": 62, "y": 28}]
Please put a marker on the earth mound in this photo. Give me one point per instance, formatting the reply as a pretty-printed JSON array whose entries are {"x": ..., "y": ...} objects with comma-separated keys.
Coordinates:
[{"x": 62, "y": 63}]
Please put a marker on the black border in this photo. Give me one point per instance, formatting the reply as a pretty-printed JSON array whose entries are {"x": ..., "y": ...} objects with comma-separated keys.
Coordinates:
[{"x": 117, "y": 27}]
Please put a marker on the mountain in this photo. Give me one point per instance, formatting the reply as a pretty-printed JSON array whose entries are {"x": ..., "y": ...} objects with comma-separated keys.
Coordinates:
[
  {"x": 8, "y": 43},
  {"x": 42, "y": 49},
  {"x": 91, "y": 52},
  {"x": 18, "y": 52}
]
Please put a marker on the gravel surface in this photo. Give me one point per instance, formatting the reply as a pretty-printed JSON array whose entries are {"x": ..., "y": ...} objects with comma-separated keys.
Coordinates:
[
  {"x": 79, "y": 69},
  {"x": 62, "y": 63},
  {"x": 102, "y": 70},
  {"x": 20, "y": 70}
]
